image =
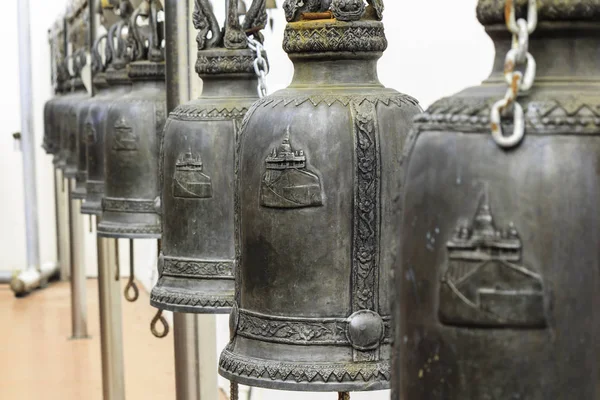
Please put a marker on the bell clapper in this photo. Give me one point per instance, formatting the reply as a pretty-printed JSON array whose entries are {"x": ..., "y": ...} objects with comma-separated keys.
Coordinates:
[
  {"x": 131, "y": 285},
  {"x": 91, "y": 222},
  {"x": 163, "y": 321},
  {"x": 343, "y": 396}
]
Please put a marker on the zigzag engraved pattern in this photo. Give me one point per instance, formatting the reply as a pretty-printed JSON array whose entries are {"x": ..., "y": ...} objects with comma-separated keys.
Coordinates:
[
  {"x": 188, "y": 112},
  {"x": 323, "y": 372},
  {"x": 355, "y": 37},
  {"x": 160, "y": 295}
]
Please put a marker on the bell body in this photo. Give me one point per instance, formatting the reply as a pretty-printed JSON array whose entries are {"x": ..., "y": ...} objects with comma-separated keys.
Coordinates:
[
  {"x": 317, "y": 172},
  {"x": 95, "y": 127},
  {"x": 497, "y": 290},
  {"x": 196, "y": 265},
  {"x": 73, "y": 114},
  {"x": 134, "y": 126},
  {"x": 64, "y": 124},
  {"x": 51, "y": 143}
]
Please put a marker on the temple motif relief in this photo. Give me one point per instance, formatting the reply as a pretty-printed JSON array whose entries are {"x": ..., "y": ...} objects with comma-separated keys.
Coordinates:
[
  {"x": 485, "y": 285},
  {"x": 189, "y": 180},
  {"x": 287, "y": 182},
  {"x": 125, "y": 138}
]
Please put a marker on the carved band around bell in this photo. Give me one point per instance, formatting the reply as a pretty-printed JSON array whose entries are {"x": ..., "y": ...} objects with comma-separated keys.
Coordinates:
[
  {"x": 188, "y": 112},
  {"x": 541, "y": 117},
  {"x": 299, "y": 331},
  {"x": 492, "y": 11},
  {"x": 129, "y": 206},
  {"x": 162, "y": 296},
  {"x": 188, "y": 268},
  {"x": 216, "y": 65},
  {"x": 304, "y": 372},
  {"x": 320, "y": 37},
  {"x": 95, "y": 187}
]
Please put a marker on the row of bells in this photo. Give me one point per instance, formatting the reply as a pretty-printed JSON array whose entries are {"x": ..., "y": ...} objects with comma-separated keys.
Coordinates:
[{"x": 306, "y": 214}]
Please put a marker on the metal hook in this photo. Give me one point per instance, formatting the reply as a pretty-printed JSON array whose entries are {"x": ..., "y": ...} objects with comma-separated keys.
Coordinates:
[
  {"x": 163, "y": 321},
  {"x": 131, "y": 285}
]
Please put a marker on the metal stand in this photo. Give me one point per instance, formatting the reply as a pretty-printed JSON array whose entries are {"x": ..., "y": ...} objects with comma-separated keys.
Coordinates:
[
  {"x": 78, "y": 273},
  {"x": 32, "y": 277},
  {"x": 111, "y": 332},
  {"x": 64, "y": 241}
]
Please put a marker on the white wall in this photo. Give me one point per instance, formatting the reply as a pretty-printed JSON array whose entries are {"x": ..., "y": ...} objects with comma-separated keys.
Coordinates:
[{"x": 436, "y": 47}]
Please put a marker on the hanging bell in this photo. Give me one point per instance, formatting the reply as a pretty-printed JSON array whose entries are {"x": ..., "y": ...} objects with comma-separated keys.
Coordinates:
[
  {"x": 134, "y": 127},
  {"x": 497, "y": 283},
  {"x": 51, "y": 142},
  {"x": 317, "y": 177},
  {"x": 196, "y": 265},
  {"x": 112, "y": 84}
]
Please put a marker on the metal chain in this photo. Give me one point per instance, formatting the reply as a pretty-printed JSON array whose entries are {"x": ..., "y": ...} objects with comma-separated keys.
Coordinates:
[
  {"x": 261, "y": 66},
  {"x": 518, "y": 83}
]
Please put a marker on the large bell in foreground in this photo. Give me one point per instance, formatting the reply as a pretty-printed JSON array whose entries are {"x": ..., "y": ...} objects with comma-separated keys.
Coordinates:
[
  {"x": 112, "y": 83},
  {"x": 497, "y": 288},
  {"x": 317, "y": 172},
  {"x": 134, "y": 126},
  {"x": 196, "y": 265}
]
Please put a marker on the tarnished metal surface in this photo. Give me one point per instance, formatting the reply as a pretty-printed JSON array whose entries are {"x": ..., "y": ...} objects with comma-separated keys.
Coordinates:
[
  {"x": 316, "y": 169},
  {"x": 497, "y": 286},
  {"x": 134, "y": 126},
  {"x": 112, "y": 84},
  {"x": 196, "y": 265}
]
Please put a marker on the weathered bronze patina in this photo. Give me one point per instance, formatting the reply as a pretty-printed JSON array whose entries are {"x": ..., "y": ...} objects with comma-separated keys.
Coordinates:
[
  {"x": 497, "y": 290},
  {"x": 317, "y": 175},
  {"x": 134, "y": 126},
  {"x": 111, "y": 78},
  {"x": 196, "y": 265}
]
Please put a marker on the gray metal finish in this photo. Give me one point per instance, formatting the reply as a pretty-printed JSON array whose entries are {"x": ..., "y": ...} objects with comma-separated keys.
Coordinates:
[
  {"x": 111, "y": 331},
  {"x": 196, "y": 264},
  {"x": 134, "y": 126},
  {"x": 497, "y": 286},
  {"x": 317, "y": 175}
]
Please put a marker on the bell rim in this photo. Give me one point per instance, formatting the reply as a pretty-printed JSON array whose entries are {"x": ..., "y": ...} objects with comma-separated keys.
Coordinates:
[
  {"x": 252, "y": 365},
  {"x": 179, "y": 301},
  {"x": 189, "y": 309}
]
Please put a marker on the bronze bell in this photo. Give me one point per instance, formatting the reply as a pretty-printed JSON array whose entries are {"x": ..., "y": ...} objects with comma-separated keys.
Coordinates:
[
  {"x": 134, "y": 126},
  {"x": 317, "y": 177},
  {"x": 112, "y": 83},
  {"x": 196, "y": 265},
  {"x": 497, "y": 283},
  {"x": 51, "y": 143}
]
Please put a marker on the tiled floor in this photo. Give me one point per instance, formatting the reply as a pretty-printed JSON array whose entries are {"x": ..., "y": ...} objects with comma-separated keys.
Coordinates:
[{"x": 38, "y": 361}]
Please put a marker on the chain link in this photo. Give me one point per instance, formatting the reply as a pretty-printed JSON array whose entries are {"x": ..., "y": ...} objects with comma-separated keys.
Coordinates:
[
  {"x": 261, "y": 66},
  {"x": 516, "y": 80}
]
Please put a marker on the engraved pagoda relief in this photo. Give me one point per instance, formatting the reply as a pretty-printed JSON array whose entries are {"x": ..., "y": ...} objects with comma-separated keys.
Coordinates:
[
  {"x": 125, "y": 139},
  {"x": 190, "y": 181},
  {"x": 485, "y": 285},
  {"x": 287, "y": 183}
]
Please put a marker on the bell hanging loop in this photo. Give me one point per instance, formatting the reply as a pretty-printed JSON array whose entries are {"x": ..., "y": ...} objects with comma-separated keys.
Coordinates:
[
  {"x": 511, "y": 16},
  {"x": 154, "y": 324},
  {"x": 132, "y": 292}
]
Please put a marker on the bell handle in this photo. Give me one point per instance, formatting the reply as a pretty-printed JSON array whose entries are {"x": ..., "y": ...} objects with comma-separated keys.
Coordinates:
[
  {"x": 138, "y": 48},
  {"x": 205, "y": 21},
  {"x": 159, "y": 317},
  {"x": 155, "y": 48},
  {"x": 97, "y": 64}
]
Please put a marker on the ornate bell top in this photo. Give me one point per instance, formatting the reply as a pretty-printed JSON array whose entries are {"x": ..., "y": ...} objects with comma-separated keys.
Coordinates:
[
  {"x": 227, "y": 51},
  {"x": 491, "y": 12},
  {"x": 334, "y": 26},
  {"x": 145, "y": 45}
]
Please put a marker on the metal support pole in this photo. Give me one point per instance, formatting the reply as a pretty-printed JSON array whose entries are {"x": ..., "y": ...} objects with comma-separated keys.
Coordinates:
[
  {"x": 111, "y": 331},
  {"x": 78, "y": 273},
  {"x": 31, "y": 276},
  {"x": 195, "y": 375},
  {"x": 64, "y": 229}
]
